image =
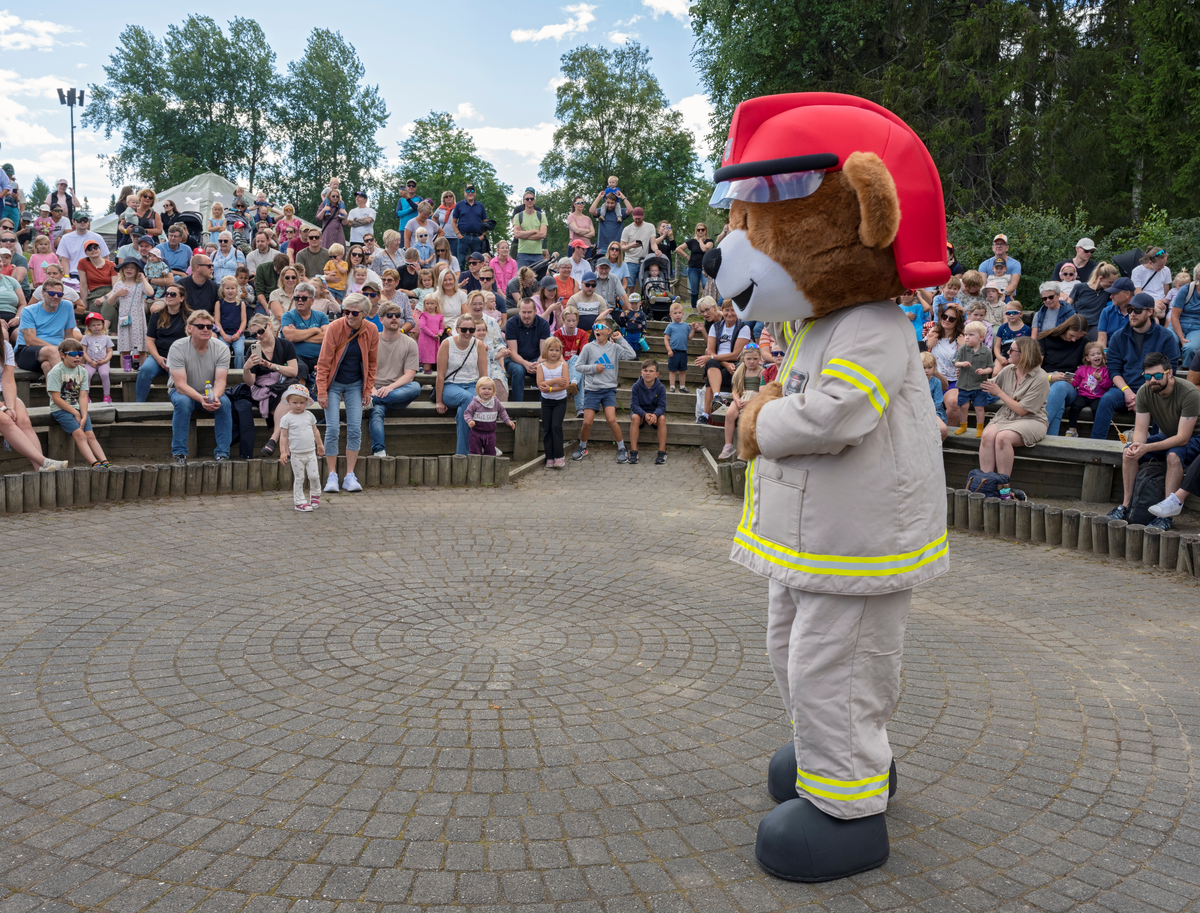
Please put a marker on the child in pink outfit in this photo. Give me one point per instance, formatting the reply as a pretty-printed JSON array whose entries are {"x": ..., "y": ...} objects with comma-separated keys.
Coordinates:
[
  {"x": 1091, "y": 381},
  {"x": 431, "y": 323}
]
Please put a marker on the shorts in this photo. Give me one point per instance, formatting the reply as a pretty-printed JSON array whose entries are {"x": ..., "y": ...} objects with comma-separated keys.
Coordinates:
[
  {"x": 597, "y": 400},
  {"x": 1187, "y": 453},
  {"x": 726, "y": 376},
  {"x": 68, "y": 423},
  {"x": 974, "y": 397},
  {"x": 677, "y": 361},
  {"x": 27, "y": 358}
]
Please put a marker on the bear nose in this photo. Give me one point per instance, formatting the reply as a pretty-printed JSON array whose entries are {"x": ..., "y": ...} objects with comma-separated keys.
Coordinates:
[{"x": 712, "y": 262}]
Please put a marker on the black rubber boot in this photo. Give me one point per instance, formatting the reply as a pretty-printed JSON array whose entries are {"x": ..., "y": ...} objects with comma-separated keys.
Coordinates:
[
  {"x": 799, "y": 842},
  {"x": 781, "y": 775}
]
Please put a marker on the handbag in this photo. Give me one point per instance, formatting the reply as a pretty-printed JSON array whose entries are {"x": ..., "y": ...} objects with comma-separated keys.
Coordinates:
[{"x": 433, "y": 392}]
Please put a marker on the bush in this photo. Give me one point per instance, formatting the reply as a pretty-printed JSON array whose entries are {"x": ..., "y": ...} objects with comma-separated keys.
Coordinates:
[
  {"x": 1039, "y": 238},
  {"x": 1179, "y": 237}
]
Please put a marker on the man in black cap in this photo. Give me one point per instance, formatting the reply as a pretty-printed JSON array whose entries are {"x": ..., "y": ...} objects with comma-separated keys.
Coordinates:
[
  {"x": 467, "y": 220},
  {"x": 468, "y": 279},
  {"x": 1126, "y": 352},
  {"x": 1116, "y": 315}
]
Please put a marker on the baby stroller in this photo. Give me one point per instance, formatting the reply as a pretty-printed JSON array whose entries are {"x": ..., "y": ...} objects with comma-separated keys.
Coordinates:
[{"x": 656, "y": 290}]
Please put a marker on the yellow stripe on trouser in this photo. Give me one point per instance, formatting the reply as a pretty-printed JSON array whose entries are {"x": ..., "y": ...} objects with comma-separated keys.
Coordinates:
[
  {"x": 842, "y": 790},
  {"x": 834, "y": 565}
]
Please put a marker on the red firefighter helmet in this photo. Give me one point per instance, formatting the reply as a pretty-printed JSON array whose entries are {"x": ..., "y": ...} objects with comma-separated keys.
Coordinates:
[{"x": 780, "y": 146}]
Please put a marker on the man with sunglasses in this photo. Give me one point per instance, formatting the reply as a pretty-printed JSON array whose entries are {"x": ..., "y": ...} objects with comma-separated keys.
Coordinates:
[
  {"x": 313, "y": 257},
  {"x": 304, "y": 328},
  {"x": 529, "y": 229},
  {"x": 198, "y": 367},
  {"x": 395, "y": 377},
  {"x": 199, "y": 288},
  {"x": 608, "y": 286},
  {"x": 71, "y": 248},
  {"x": 1173, "y": 405},
  {"x": 42, "y": 327},
  {"x": 1127, "y": 349},
  {"x": 467, "y": 220}
]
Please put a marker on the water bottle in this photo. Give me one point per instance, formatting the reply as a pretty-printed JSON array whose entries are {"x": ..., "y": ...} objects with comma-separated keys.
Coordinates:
[{"x": 208, "y": 391}]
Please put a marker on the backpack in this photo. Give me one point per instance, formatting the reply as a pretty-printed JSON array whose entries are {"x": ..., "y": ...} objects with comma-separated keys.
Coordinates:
[
  {"x": 987, "y": 484},
  {"x": 1149, "y": 488}
]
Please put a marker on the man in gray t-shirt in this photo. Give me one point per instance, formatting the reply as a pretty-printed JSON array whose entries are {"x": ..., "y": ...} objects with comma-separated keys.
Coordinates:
[
  {"x": 198, "y": 366},
  {"x": 638, "y": 242}
]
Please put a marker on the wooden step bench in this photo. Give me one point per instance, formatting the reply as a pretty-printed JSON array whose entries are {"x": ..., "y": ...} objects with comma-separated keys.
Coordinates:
[{"x": 1039, "y": 467}]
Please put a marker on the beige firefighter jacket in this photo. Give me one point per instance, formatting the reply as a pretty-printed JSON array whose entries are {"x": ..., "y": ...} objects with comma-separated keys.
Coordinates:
[{"x": 849, "y": 494}]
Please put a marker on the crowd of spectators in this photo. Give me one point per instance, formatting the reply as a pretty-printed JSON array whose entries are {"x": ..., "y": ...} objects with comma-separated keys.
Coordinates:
[{"x": 354, "y": 318}]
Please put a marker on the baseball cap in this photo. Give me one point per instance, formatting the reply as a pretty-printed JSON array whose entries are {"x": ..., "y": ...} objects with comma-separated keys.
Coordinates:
[
  {"x": 61, "y": 181},
  {"x": 1086, "y": 243},
  {"x": 637, "y": 211},
  {"x": 1141, "y": 302},
  {"x": 548, "y": 282},
  {"x": 358, "y": 193},
  {"x": 81, "y": 216},
  {"x": 476, "y": 256},
  {"x": 579, "y": 242},
  {"x": 635, "y": 298},
  {"x": 1122, "y": 285},
  {"x": 531, "y": 190},
  {"x": 45, "y": 207},
  {"x": 470, "y": 188},
  {"x": 93, "y": 316},
  {"x": 589, "y": 276},
  {"x": 147, "y": 238},
  {"x": 606, "y": 263},
  {"x": 1003, "y": 238}
]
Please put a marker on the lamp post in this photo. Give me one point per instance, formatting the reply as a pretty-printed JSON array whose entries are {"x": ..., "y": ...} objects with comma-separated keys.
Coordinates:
[{"x": 71, "y": 98}]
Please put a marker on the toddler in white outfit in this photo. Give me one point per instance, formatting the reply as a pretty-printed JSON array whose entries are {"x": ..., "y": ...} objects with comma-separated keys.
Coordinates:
[{"x": 300, "y": 440}]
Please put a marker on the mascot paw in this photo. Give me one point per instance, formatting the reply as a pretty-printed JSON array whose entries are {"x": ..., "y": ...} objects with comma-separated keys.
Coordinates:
[
  {"x": 781, "y": 775},
  {"x": 748, "y": 417},
  {"x": 799, "y": 842}
]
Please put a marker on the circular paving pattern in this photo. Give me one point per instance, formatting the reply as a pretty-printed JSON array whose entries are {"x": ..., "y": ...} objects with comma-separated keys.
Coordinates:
[{"x": 568, "y": 711}]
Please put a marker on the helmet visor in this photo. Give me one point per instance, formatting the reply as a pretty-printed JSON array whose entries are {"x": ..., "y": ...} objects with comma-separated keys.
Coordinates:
[{"x": 769, "y": 188}]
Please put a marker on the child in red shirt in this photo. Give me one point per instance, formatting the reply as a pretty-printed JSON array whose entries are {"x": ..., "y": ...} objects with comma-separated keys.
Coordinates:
[{"x": 573, "y": 340}]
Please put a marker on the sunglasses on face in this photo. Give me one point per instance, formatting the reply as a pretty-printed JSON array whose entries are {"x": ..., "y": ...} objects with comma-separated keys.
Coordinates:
[
  {"x": 53, "y": 294},
  {"x": 371, "y": 294},
  {"x": 203, "y": 326},
  {"x": 391, "y": 316},
  {"x": 302, "y": 298},
  {"x": 750, "y": 345},
  {"x": 171, "y": 295},
  {"x": 1049, "y": 297},
  {"x": 466, "y": 329},
  {"x": 1011, "y": 313},
  {"x": 75, "y": 354},
  {"x": 258, "y": 334},
  {"x": 352, "y": 312},
  {"x": 90, "y": 250},
  {"x": 224, "y": 241},
  {"x": 949, "y": 317},
  {"x": 1157, "y": 375},
  {"x": 589, "y": 285}
]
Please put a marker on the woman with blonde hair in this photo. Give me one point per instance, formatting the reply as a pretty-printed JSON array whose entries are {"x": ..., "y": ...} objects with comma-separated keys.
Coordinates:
[
  {"x": 442, "y": 216},
  {"x": 281, "y": 299},
  {"x": 1091, "y": 298},
  {"x": 389, "y": 256},
  {"x": 450, "y": 297},
  {"x": 289, "y": 220},
  {"x": 1021, "y": 420}
]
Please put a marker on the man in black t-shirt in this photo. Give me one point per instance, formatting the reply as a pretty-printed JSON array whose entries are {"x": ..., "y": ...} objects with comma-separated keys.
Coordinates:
[{"x": 199, "y": 288}]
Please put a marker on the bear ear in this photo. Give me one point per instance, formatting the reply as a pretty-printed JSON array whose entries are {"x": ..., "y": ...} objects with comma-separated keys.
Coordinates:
[{"x": 878, "y": 203}]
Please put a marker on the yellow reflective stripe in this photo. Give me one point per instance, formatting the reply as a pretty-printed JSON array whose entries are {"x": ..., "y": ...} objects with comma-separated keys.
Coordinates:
[
  {"x": 860, "y": 377},
  {"x": 793, "y": 352},
  {"x": 842, "y": 565},
  {"x": 843, "y": 790},
  {"x": 854, "y": 382},
  {"x": 748, "y": 494},
  {"x": 789, "y": 332}
]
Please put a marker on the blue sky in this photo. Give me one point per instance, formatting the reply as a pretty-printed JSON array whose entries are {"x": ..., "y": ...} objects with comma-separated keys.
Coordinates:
[{"x": 507, "y": 104}]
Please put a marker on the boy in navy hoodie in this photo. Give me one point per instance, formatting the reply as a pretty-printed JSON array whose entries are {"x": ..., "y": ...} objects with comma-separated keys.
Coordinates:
[{"x": 648, "y": 403}]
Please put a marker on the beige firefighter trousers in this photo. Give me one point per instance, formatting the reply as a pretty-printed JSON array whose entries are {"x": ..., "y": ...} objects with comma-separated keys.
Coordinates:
[{"x": 837, "y": 664}]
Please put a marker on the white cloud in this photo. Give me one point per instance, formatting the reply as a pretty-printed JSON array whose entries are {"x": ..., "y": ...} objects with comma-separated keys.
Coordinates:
[
  {"x": 619, "y": 37},
  {"x": 557, "y": 81},
  {"x": 17, "y": 34},
  {"x": 630, "y": 21},
  {"x": 676, "y": 8},
  {"x": 466, "y": 111},
  {"x": 34, "y": 86},
  {"x": 581, "y": 17},
  {"x": 530, "y": 143},
  {"x": 696, "y": 110}
]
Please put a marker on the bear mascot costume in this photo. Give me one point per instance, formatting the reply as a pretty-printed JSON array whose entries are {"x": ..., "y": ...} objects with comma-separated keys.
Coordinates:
[{"x": 835, "y": 206}]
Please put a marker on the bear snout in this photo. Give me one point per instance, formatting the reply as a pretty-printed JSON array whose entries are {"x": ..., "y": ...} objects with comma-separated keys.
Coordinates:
[{"x": 712, "y": 262}]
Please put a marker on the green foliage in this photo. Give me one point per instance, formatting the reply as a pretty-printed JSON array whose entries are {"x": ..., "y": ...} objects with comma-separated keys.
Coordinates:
[
  {"x": 36, "y": 195},
  {"x": 439, "y": 156},
  {"x": 1053, "y": 103},
  {"x": 112, "y": 205},
  {"x": 328, "y": 120},
  {"x": 191, "y": 103},
  {"x": 1179, "y": 237},
  {"x": 1039, "y": 238},
  {"x": 614, "y": 119}
]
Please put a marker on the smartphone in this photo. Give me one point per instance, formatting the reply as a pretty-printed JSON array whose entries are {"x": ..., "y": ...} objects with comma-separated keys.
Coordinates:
[{"x": 255, "y": 349}]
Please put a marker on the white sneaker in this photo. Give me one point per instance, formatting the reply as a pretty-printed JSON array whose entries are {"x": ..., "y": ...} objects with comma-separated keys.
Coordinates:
[
  {"x": 1072, "y": 432},
  {"x": 350, "y": 483},
  {"x": 331, "y": 484},
  {"x": 1168, "y": 507},
  {"x": 728, "y": 452},
  {"x": 499, "y": 452},
  {"x": 49, "y": 465},
  {"x": 380, "y": 453}
]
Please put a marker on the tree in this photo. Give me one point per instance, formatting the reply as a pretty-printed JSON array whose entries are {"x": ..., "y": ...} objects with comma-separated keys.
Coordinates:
[
  {"x": 329, "y": 120},
  {"x": 38, "y": 191},
  {"x": 112, "y": 205},
  {"x": 191, "y": 103},
  {"x": 614, "y": 119},
  {"x": 442, "y": 156}
]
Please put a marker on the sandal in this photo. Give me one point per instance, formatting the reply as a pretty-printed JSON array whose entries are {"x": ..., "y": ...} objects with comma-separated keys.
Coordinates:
[{"x": 269, "y": 448}]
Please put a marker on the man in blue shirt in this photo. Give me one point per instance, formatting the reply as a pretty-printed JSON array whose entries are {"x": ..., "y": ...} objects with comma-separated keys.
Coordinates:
[
  {"x": 1115, "y": 315},
  {"x": 406, "y": 206},
  {"x": 467, "y": 220},
  {"x": 1126, "y": 350},
  {"x": 175, "y": 254},
  {"x": 1013, "y": 270}
]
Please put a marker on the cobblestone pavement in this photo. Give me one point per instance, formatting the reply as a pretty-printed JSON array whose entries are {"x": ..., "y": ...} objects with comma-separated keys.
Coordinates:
[{"x": 553, "y": 697}]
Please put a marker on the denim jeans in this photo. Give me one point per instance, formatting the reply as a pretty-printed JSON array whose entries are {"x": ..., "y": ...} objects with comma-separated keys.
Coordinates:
[
  {"x": 633, "y": 274},
  {"x": 1110, "y": 402},
  {"x": 1062, "y": 394},
  {"x": 453, "y": 242},
  {"x": 694, "y": 284},
  {"x": 525, "y": 260},
  {"x": 181, "y": 420},
  {"x": 467, "y": 246},
  {"x": 238, "y": 348},
  {"x": 1190, "y": 348},
  {"x": 149, "y": 370},
  {"x": 457, "y": 397},
  {"x": 577, "y": 379},
  {"x": 516, "y": 377},
  {"x": 397, "y": 399},
  {"x": 352, "y": 396}
]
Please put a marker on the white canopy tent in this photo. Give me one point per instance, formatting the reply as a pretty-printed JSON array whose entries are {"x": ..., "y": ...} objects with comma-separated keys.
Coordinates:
[{"x": 196, "y": 195}]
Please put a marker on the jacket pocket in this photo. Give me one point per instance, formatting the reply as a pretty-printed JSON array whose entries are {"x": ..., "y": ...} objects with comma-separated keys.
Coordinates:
[{"x": 780, "y": 501}]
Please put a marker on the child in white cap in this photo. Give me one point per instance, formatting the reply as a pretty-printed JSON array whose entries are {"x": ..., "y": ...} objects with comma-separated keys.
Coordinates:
[{"x": 299, "y": 438}]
